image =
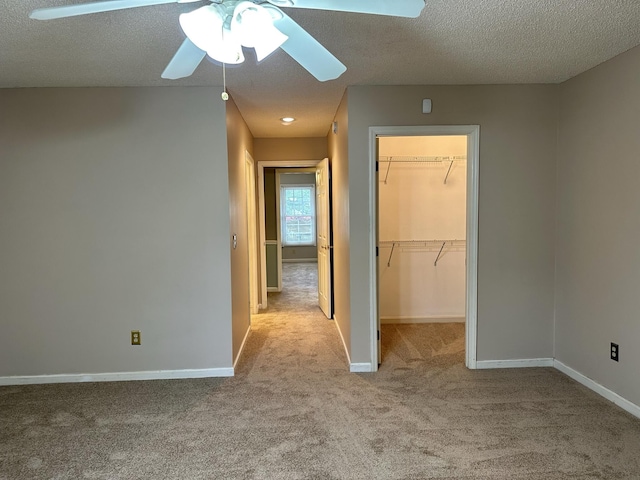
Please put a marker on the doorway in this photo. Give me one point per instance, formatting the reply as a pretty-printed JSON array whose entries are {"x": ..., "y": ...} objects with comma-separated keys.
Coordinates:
[
  {"x": 295, "y": 225},
  {"x": 424, "y": 238}
]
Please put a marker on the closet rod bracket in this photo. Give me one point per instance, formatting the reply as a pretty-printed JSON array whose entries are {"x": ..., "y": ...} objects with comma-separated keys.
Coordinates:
[
  {"x": 393, "y": 246},
  {"x": 435, "y": 264},
  {"x": 448, "y": 172}
]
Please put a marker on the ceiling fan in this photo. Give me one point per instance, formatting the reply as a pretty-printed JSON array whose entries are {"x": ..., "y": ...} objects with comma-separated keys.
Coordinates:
[{"x": 222, "y": 27}]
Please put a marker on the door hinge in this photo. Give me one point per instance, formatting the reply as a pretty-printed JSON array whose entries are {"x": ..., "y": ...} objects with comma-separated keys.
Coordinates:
[
  {"x": 377, "y": 166},
  {"x": 378, "y": 335},
  {"x": 377, "y": 252}
]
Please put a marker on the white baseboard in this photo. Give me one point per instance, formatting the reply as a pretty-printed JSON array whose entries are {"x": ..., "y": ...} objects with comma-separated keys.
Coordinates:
[
  {"x": 610, "y": 395},
  {"x": 407, "y": 320},
  {"x": 244, "y": 341},
  {"x": 520, "y": 363},
  {"x": 272, "y": 289},
  {"x": 299, "y": 260},
  {"x": 353, "y": 367},
  {"x": 360, "y": 368},
  {"x": 116, "y": 377}
]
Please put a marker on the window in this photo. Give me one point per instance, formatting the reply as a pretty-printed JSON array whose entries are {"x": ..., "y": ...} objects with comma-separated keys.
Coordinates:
[{"x": 298, "y": 214}]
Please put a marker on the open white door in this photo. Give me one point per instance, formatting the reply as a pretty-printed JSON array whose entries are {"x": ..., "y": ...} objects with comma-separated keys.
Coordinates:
[{"x": 323, "y": 230}]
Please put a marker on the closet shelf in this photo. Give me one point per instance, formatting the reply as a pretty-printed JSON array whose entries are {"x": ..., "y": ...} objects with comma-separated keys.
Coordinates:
[
  {"x": 426, "y": 245},
  {"x": 421, "y": 159}
]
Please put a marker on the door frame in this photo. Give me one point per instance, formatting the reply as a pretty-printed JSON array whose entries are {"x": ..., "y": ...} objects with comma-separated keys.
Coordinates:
[
  {"x": 262, "y": 221},
  {"x": 250, "y": 183},
  {"x": 472, "y": 132}
]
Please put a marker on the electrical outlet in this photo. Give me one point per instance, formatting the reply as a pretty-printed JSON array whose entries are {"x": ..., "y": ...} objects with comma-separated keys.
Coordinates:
[
  {"x": 615, "y": 352},
  {"x": 135, "y": 337}
]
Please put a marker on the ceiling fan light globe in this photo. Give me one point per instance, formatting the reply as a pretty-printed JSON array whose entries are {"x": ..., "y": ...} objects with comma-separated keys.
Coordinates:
[
  {"x": 203, "y": 27},
  {"x": 229, "y": 51},
  {"x": 252, "y": 23}
]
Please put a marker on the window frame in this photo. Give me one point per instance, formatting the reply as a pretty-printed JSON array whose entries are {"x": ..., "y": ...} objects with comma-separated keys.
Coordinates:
[{"x": 283, "y": 223}]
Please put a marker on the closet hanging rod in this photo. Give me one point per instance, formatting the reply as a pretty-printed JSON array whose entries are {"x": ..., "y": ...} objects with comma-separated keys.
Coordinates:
[
  {"x": 421, "y": 244},
  {"x": 420, "y": 159}
]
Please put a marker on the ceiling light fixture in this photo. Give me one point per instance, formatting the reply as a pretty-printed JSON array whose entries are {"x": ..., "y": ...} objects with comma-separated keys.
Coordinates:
[
  {"x": 205, "y": 27},
  {"x": 222, "y": 34},
  {"x": 222, "y": 28},
  {"x": 288, "y": 119},
  {"x": 254, "y": 27}
]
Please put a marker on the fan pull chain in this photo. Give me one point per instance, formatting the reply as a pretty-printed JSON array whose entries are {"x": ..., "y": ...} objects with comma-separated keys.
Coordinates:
[{"x": 225, "y": 95}]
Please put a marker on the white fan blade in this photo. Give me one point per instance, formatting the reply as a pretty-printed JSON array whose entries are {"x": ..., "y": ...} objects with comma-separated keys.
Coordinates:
[
  {"x": 95, "y": 7},
  {"x": 394, "y": 8},
  {"x": 184, "y": 62},
  {"x": 308, "y": 52}
]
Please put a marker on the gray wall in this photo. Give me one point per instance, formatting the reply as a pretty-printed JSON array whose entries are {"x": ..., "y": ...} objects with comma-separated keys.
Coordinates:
[
  {"x": 598, "y": 265},
  {"x": 518, "y": 140},
  {"x": 240, "y": 141},
  {"x": 339, "y": 158},
  {"x": 114, "y": 215}
]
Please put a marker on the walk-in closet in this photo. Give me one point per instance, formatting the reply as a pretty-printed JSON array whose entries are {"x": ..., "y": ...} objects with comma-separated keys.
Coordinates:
[{"x": 422, "y": 188}]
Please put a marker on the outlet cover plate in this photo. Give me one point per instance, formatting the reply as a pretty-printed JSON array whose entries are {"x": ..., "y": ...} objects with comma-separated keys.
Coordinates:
[{"x": 615, "y": 352}]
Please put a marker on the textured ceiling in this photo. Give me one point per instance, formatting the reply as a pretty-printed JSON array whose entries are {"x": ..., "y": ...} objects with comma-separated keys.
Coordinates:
[{"x": 452, "y": 42}]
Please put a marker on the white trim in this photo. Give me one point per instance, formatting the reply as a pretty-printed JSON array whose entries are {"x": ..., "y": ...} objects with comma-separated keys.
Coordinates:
[
  {"x": 262, "y": 235},
  {"x": 281, "y": 209},
  {"x": 518, "y": 363},
  {"x": 610, "y": 395},
  {"x": 116, "y": 377},
  {"x": 299, "y": 260},
  {"x": 473, "y": 160},
  {"x": 263, "y": 254},
  {"x": 360, "y": 368},
  {"x": 278, "y": 234},
  {"x": 244, "y": 341},
  {"x": 289, "y": 163},
  {"x": 473, "y": 194},
  {"x": 411, "y": 320},
  {"x": 272, "y": 289},
  {"x": 255, "y": 289}
]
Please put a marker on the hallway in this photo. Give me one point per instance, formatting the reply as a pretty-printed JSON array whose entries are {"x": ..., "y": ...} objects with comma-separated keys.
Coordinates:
[
  {"x": 293, "y": 328},
  {"x": 293, "y": 316}
]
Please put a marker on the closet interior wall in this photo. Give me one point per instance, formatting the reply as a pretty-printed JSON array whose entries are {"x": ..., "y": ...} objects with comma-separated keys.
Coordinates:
[{"x": 422, "y": 229}]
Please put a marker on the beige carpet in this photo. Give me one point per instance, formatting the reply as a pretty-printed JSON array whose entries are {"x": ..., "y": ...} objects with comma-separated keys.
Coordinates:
[{"x": 294, "y": 412}]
